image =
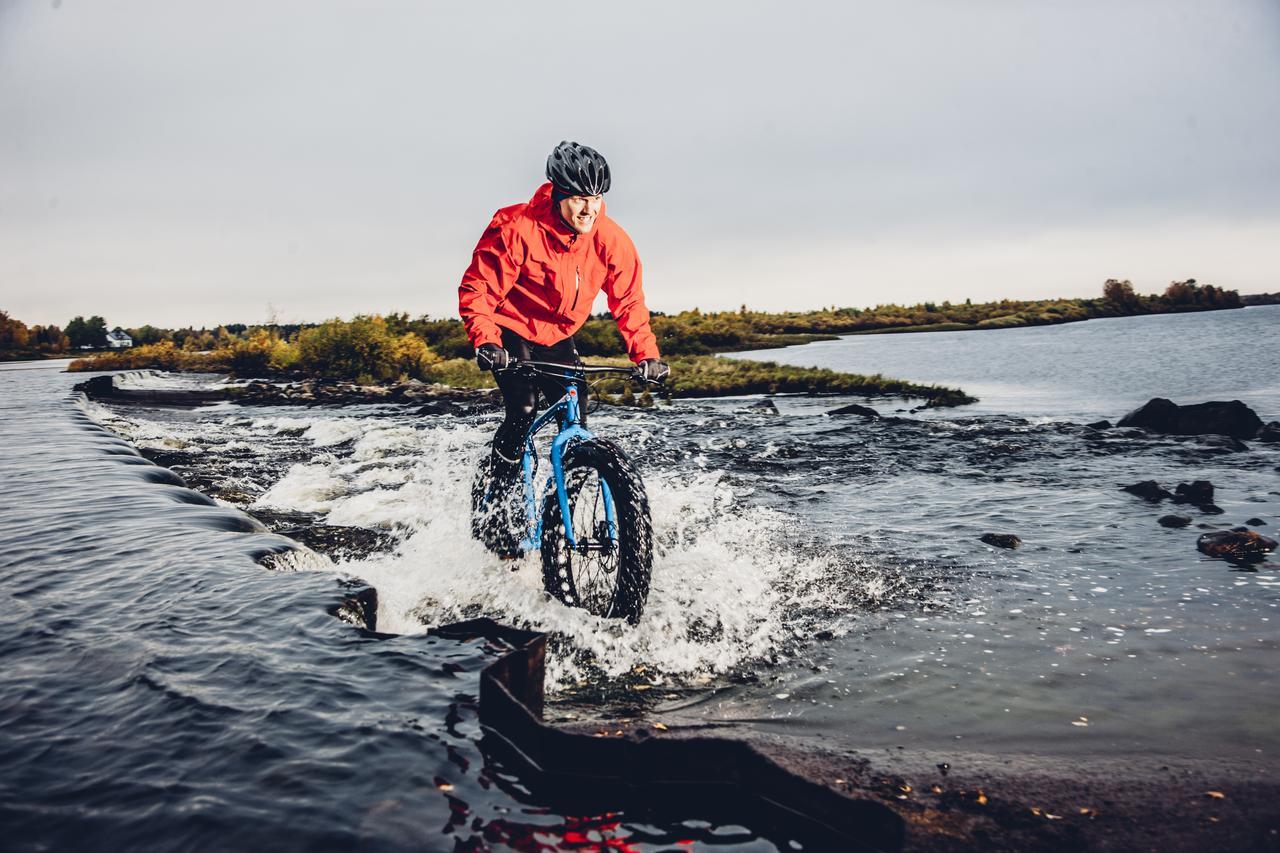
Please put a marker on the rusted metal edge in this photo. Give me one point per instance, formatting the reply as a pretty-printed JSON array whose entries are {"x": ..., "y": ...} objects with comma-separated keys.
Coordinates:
[{"x": 706, "y": 777}]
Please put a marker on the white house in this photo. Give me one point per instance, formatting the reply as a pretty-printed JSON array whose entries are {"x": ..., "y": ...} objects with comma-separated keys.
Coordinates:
[{"x": 117, "y": 338}]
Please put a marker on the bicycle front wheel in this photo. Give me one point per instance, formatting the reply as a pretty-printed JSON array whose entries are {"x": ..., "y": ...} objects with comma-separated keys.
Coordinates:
[{"x": 606, "y": 569}]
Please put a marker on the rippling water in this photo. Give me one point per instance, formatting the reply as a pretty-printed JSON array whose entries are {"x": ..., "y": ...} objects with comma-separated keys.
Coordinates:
[
  {"x": 816, "y": 576},
  {"x": 160, "y": 689},
  {"x": 1096, "y": 369}
]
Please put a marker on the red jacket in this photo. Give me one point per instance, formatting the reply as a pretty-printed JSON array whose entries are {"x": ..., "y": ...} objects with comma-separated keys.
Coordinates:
[{"x": 532, "y": 274}]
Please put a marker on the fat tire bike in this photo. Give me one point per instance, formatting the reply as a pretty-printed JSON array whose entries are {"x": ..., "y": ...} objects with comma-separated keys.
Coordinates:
[{"x": 588, "y": 515}]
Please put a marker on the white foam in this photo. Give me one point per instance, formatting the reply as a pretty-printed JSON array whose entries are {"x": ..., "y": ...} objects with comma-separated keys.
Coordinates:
[
  {"x": 724, "y": 576},
  {"x": 729, "y": 578}
]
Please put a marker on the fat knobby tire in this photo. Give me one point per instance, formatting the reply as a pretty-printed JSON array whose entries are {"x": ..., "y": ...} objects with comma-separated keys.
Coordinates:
[
  {"x": 635, "y": 534},
  {"x": 494, "y": 519}
]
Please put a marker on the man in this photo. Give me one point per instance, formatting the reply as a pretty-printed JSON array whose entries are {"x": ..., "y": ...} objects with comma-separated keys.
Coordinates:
[{"x": 533, "y": 278}]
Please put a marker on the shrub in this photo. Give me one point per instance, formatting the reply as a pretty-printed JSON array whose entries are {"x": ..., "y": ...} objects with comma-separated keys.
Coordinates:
[
  {"x": 414, "y": 357},
  {"x": 161, "y": 356},
  {"x": 261, "y": 354},
  {"x": 460, "y": 373},
  {"x": 363, "y": 348}
]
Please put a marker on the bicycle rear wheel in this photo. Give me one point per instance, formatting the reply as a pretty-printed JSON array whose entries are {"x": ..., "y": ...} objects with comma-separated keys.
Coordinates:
[{"x": 607, "y": 571}]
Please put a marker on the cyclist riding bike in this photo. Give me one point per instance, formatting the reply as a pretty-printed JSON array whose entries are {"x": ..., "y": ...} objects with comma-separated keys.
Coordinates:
[{"x": 533, "y": 279}]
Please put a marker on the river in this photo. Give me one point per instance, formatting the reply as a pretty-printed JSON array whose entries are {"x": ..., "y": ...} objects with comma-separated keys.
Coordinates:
[{"x": 818, "y": 578}]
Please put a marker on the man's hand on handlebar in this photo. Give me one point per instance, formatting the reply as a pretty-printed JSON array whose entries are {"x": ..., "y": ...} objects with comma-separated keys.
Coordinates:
[
  {"x": 653, "y": 370},
  {"x": 492, "y": 357}
]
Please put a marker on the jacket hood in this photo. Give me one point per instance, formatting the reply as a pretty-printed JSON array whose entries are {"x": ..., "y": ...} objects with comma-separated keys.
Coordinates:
[{"x": 541, "y": 208}]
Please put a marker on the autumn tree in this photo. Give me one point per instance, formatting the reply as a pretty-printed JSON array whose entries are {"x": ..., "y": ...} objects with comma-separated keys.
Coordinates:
[
  {"x": 13, "y": 333},
  {"x": 1119, "y": 292}
]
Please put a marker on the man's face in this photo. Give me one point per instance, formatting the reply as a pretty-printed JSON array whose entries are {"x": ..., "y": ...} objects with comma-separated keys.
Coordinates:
[{"x": 580, "y": 211}]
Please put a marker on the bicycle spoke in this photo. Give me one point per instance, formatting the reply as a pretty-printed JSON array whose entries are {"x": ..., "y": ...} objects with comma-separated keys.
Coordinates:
[{"x": 594, "y": 561}]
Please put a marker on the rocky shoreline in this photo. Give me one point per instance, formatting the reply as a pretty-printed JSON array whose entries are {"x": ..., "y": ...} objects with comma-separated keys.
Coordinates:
[{"x": 432, "y": 398}]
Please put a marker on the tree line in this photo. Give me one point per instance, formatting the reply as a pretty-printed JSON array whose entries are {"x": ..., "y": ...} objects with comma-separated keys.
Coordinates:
[{"x": 692, "y": 332}]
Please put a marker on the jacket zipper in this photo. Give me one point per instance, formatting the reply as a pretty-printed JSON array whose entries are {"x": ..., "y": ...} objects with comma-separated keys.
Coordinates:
[{"x": 577, "y": 274}]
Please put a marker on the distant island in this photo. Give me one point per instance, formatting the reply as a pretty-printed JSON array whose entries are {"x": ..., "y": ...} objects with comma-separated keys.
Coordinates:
[{"x": 373, "y": 349}]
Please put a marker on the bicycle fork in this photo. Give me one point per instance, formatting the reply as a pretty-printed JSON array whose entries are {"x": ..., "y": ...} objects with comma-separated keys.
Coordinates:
[{"x": 567, "y": 435}]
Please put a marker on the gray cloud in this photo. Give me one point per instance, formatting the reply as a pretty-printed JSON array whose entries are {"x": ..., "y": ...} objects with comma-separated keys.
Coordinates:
[{"x": 187, "y": 163}]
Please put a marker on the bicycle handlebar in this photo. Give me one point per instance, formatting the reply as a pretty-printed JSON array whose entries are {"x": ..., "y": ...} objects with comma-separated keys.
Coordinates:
[{"x": 545, "y": 367}]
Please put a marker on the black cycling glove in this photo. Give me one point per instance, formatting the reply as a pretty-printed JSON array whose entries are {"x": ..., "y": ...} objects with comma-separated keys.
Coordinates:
[
  {"x": 492, "y": 357},
  {"x": 653, "y": 370}
]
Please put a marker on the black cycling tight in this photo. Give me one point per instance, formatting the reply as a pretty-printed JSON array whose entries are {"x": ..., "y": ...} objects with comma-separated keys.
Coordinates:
[{"x": 520, "y": 395}]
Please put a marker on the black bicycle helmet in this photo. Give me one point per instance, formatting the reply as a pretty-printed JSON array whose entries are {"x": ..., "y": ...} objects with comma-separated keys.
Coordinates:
[{"x": 578, "y": 170}]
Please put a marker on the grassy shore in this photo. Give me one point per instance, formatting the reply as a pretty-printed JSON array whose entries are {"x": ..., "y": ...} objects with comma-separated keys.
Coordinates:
[{"x": 377, "y": 349}]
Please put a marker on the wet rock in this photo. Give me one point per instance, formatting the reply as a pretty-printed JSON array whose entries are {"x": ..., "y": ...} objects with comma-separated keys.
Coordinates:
[
  {"x": 439, "y": 407},
  {"x": 1255, "y": 521},
  {"x": 409, "y": 392},
  {"x": 1195, "y": 492},
  {"x": 1148, "y": 490},
  {"x": 97, "y": 386},
  {"x": 1270, "y": 433},
  {"x": 855, "y": 409},
  {"x": 1000, "y": 540},
  {"x": 1211, "y": 509},
  {"x": 170, "y": 458},
  {"x": 360, "y": 608},
  {"x": 761, "y": 407},
  {"x": 1221, "y": 418},
  {"x": 1099, "y": 425},
  {"x": 1173, "y": 520},
  {"x": 1240, "y": 545},
  {"x": 341, "y": 542}
]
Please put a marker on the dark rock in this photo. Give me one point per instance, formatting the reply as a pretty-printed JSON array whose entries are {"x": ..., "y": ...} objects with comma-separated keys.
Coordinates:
[
  {"x": 340, "y": 542},
  {"x": 1157, "y": 414},
  {"x": 1270, "y": 433},
  {"x": 439, "y": 407},
  {"x": 761, "y": 407},
  {"x": 1240, "y": 545},
  {"x": 1148, "y": 490},
  {"x": 1174, "y": 520},
  {"x": 1230, "y": 418},
  {"x": 1211, "y": 509},
  {"x": 1255, "y": 521},
  {"x": 97, "y": 386},
  {"x": 1001, "y": 540},
  {"x": 1195, "y": 492},
  {"x": 1099, "y": 425},
  {"x": 855, "y": 409}
]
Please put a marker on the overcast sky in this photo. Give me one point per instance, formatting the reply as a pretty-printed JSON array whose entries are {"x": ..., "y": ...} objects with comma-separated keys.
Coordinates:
[{"x": 179, "y": 163}]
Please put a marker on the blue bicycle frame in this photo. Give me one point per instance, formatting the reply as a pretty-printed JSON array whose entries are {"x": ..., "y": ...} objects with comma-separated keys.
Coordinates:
[{"x": 567, "y": 411}]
